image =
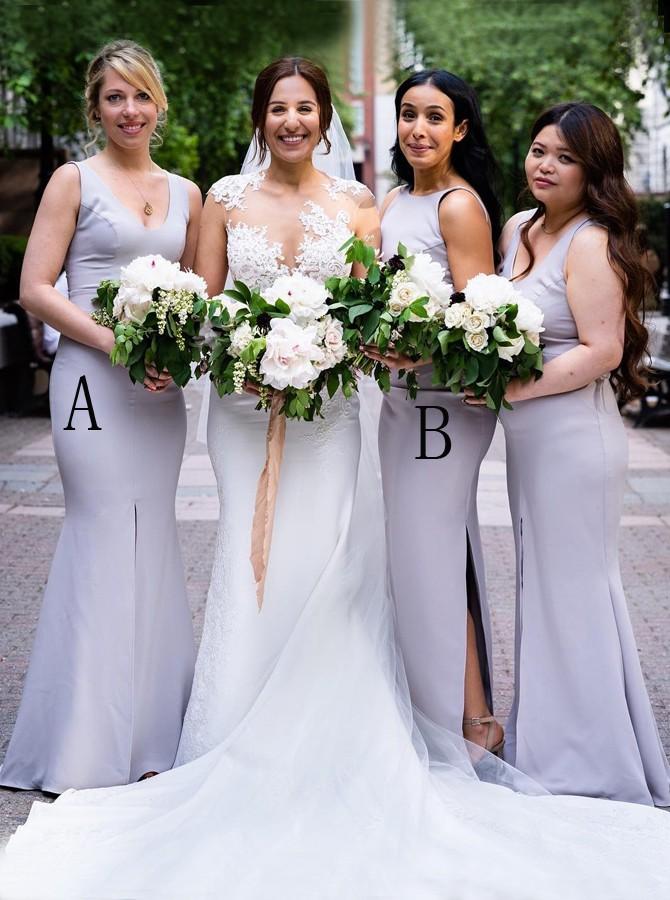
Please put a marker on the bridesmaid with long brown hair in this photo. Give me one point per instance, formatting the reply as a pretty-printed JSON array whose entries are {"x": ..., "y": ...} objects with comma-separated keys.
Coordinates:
[{"x": 581, "y": 721}]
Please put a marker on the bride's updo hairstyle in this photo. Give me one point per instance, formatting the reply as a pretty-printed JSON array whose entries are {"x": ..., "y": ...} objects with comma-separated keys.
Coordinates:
[
  {"x": 609, "y": 201},
  {"x": 471, "y": 157},
  {"x": 265, "y": 85},
  {"x": 135, "y": 65}
]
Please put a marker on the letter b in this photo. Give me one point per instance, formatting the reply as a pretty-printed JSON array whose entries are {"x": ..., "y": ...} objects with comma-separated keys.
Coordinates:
[{"x": 439, "y": 429}]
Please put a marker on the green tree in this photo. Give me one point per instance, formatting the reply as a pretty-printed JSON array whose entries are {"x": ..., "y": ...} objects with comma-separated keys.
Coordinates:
[
  {"x": 209, "y": 54},
  {"x": 522, "y": 56}
]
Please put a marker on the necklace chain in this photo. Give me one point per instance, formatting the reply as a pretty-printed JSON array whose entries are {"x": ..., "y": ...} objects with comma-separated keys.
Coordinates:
[{"x": 148, "y": 208}]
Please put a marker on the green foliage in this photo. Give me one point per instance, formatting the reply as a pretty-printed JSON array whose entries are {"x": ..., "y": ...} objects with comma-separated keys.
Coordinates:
[
  {"x": 210, "y": 55},
  {"x": 12, "y": 248},
  {"x": 161, "y": 339},
  {"x": 523, "y": 56}
]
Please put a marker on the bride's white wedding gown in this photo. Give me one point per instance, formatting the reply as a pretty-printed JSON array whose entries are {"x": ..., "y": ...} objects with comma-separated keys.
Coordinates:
[{"x": 315, "y": 781}]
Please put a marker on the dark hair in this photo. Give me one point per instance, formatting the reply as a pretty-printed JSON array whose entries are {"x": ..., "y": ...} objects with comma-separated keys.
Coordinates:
[
  {"x": 609, "y": 201},
  {"x": 471, "y": 157},
  {"x": 265, "y": 85}
]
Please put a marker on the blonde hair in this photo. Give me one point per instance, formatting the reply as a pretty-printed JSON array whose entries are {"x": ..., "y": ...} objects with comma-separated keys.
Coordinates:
[{"x": 136, "y": 66}]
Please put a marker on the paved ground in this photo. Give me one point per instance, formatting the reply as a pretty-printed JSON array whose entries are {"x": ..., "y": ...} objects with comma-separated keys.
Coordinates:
[{"x": 31, "y": 509}]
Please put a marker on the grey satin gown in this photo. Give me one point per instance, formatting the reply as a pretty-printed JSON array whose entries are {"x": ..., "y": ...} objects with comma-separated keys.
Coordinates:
[
  {"x": 581, "y": 721},
  {"x": 112, "y": 663},
  {"x": 435, "y": 555}
]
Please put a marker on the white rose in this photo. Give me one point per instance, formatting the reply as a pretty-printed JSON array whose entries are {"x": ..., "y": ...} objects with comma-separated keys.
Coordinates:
[
  {"x": 150, "y": 272},
  {"x": 476, "y": 321},
  {"x": 486, "y": 293},
  {"x": 334, "y": 348},
  {"x": 476, "y": 340},
  {"x": 290, "y": 354},
  {"x": 131, "y": 304},
  {"x": 453, "y": 315},
  {"x": 189, "y": 281},
  {"x": 529, "y": 317},
  {"x": 396, "y": 306},
  {"x": 508, "y": 353},
  {"x": 240, "y": 338},
  {"x": 533, "y": 337},
  {"x": 306, "y": 298},
  {"x": 403, "y": 291}
]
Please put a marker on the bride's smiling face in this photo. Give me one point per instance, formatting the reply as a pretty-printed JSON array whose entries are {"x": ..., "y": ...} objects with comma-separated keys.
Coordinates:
[{"x": 291, "y": 128}]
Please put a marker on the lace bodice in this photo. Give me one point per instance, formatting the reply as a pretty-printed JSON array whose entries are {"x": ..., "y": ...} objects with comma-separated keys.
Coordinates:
[{"x": 257, "y": 246}]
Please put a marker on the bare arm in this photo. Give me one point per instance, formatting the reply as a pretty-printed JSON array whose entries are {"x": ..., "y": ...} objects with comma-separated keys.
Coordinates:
[
  {"x": 367, "y": 227},
  {"x": 194, "y": 214},
  {"x": 211, "y": 259},
  {"x": 467, "y": 237},
  {"x": 595, "y": 296},
  {"x": 50, "y": 238}
]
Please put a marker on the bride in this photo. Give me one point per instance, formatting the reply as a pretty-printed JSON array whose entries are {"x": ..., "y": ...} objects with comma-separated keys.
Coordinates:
[{"x": 305, "y": 775}]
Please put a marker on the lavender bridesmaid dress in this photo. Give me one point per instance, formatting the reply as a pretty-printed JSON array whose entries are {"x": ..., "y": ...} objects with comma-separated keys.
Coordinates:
[
  {"x": 435, "y": 554},
  {"x": 581, "y": 721},
  {"x": 112, "y": 664}
]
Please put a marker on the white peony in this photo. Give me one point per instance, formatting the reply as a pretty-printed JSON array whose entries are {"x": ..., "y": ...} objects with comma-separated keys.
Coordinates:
[
  {"x": 529, "y": 317},
  {"x": 334, "y": 348},
  {"x": 149, "y": 272},
  {"x": 131, "y": 304},
  {"x": 290, "y": 355},
  {"x": 240, "y": 338},
  {"x": 306, "y": 298},
  {"x": 189, "y": 281},
  {"x": 428, "y": 275},
  {"x": 454, "y": 315},
  {"x": 486, "y": 293},
  {"x": 476, "y": 340},
  {"x": 508, "y": 353}
]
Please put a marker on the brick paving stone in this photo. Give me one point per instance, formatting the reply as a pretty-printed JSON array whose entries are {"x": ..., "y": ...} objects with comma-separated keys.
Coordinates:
[{"x": 31, "y": 521}]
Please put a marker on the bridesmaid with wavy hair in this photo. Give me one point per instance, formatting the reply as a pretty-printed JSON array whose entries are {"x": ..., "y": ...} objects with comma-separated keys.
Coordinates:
[
  {"x": 581, "y": 721},
  {"x": 446, "y": 206},
  {"x": 112, "y": 664}
]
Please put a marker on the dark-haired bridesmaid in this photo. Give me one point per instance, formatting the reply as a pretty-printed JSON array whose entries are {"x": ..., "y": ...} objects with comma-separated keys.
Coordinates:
[
  {"x": 445, "y": 206},
  {"x": 581, "y": 721}
]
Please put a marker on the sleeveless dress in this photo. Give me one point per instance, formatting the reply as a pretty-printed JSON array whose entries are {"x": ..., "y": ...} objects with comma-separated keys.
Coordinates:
[
  {"x": 434, "y": 546},
  {"x": 581, "y": 721},
  {"x": 112, "y": 663},
  {"x": 321, "y": 784}
]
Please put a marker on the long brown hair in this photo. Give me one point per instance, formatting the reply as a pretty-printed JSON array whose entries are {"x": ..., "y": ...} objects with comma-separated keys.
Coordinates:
[
  {"x": 265, "y": 85},
  {"x": 609, "y": 201}
]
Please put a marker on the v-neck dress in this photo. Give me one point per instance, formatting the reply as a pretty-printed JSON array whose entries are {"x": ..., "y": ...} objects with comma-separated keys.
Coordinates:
[
  {"x": 112, "y": 663},
  {"x": 581, "y": 721}
]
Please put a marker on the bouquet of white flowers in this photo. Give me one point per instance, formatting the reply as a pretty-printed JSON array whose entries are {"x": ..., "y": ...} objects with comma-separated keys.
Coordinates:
[
  {"x": 491, "y": 334},
  {"x": 284, "y": 340},
  {"x": 400, "y": 304},
  {"x": 156, "y": 311}
]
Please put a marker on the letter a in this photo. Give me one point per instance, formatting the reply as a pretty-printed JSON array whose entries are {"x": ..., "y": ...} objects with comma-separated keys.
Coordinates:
[
  {"x": 439, "y": 429},
  {"x": 89, "y": 407}
]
